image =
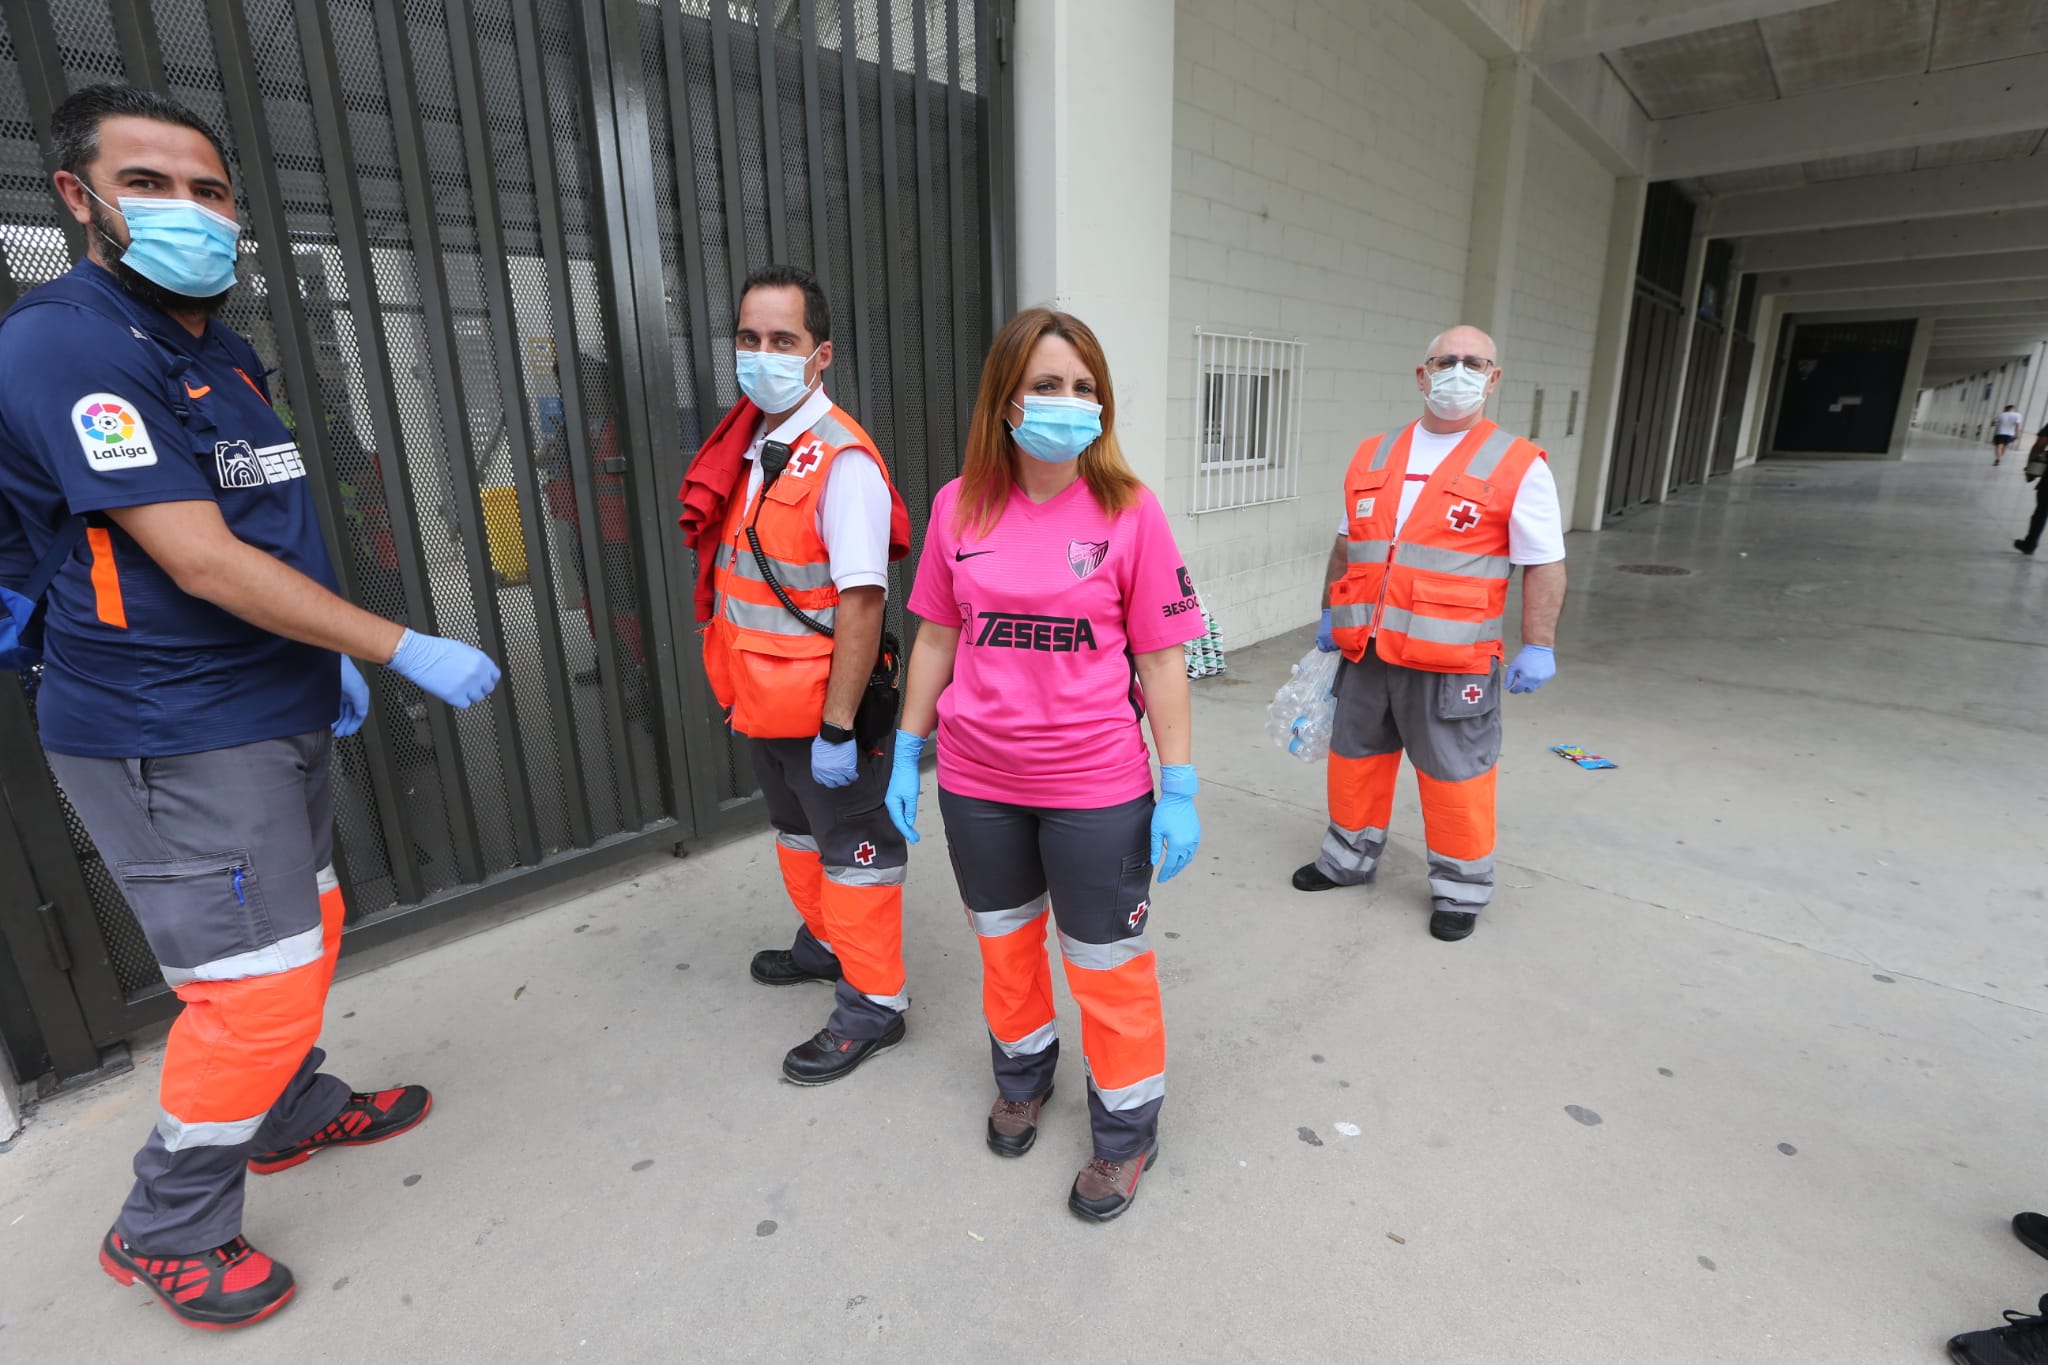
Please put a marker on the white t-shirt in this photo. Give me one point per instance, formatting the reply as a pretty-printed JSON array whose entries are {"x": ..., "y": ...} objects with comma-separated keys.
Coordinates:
[
  {"x": 2008, "y": 424},
  {"x": 853, "y": 516},
  {"x": 1535, "y": 530}
]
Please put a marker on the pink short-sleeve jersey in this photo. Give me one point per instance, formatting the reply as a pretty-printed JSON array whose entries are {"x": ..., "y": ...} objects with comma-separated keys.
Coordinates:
[{"x": 1052, "y": 604}]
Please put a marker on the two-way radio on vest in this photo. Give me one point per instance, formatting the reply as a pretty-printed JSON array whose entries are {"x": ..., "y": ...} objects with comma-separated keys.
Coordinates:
[{"x": 774, "y": 456}]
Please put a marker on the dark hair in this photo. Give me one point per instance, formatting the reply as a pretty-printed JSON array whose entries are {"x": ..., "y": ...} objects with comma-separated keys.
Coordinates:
[
  {"x": 817, "y": 313},
  {"x": 75, "y": 127}
]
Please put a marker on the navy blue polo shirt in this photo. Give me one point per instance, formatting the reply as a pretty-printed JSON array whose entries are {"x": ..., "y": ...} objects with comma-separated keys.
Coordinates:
[{"x": 108, "y": 403}]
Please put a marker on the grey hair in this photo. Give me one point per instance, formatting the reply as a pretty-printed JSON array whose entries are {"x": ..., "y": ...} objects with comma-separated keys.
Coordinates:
[{"x": 75, "y": 127}]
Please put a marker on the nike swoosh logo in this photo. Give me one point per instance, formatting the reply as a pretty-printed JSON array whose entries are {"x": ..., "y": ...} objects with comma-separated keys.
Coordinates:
[
  {"x": 969, "y": 554},
  {"x": 191, "y": 392}
]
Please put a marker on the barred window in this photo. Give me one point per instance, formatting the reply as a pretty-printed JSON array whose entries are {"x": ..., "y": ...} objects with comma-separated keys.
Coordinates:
[{"x": 1248, "y": 419}]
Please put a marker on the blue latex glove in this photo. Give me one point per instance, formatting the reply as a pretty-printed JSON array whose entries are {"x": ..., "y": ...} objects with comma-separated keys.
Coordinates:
[
  {"x": 1176, "y": 831},
  {"x": 901, "y": 802},
  {"x": 449, "y": 669},
  {"x": 1326, "y": 641},
  {"x": 834, "y": 765},
  {"x": 1533, "y": 667},
  {"x": 355, "y": 699}
]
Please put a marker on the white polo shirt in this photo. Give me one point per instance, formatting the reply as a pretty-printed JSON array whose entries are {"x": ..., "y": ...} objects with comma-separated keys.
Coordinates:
[
  {"x": 853, "y": 516},
  {"x": 1535, "y": 528}
]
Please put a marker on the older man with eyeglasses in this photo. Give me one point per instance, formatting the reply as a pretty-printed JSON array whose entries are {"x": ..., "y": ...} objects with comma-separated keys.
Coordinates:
[{"x": 1435, "y": 518}]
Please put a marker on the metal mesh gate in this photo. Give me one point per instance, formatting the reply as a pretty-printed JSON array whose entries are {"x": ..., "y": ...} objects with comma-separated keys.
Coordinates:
[{"x": 512, "y": 232}]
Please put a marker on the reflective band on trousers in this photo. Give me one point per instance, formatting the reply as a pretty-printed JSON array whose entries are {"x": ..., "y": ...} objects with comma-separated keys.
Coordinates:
[
  {"x": 1103, "y": 957},
  {"x": 1436, "y": 630},
  {"x": 899, "y": 1002},
  {"x": 1032, "y": 1043},
  {"x": 1131, "y": 1096},
  {"x": 286, "y": 954},
  {"x": 325, "y": 881},
  {"x": 1353, "y": 850},
  {"x": 775, "y": 619},
  {"x": 1000, "y": 923},
  {"x": 793, "y": 576},
  {"x": 864, "y": 876},
  {"x": 179, "y": 1135},
  {"x": 796, "y": 843},
  {"x": 1464, "y": 881}
]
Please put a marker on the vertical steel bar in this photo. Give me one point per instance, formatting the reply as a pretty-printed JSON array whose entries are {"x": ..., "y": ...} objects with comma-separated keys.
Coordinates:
[
  {"x": 1233, "y": 448},
  {"x": 1198, "y": 422},
  {"x": 892, "y": 225},
  {"x": 998, "y": 127},
  {"x": 47, "y": 990},
  {"x": 938, "y": 423},
  {"x": 142, "y": 60},
  {"x": 966, "y": 252},
  {"x": 569, "y": 370},
  {"x": 1294, "y": 417},
  {"x": 288, "y": 321},
  {"x": 466, "y": 62},
  {"x": 408, "y": 130},
  {"x": 41, "y": 69},
  {"x": 729, "y": 150},
  {"x": 690, "y": 230},
  {"x": 814, "y": 145},
  {"x": 771, "y": 130},
  {"x": 856, "y": 208}
]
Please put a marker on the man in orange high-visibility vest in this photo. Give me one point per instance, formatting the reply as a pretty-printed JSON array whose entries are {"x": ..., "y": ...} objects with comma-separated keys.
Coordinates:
[{"x": 1435, "y": 518}]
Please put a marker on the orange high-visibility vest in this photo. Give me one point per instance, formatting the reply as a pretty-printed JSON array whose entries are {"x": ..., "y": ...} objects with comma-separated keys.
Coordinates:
[
  {"x": 768, "y": 669},
  {"x": 1431, "y": 598}
]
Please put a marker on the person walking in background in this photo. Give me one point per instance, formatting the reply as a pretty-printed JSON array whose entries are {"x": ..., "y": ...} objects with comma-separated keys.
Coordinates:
[
  {"x": 197, "y": 659},
  {"x": 1054, "y": 608},
  {"x": 794, "y": 522},
  {"x": 1435, "y": 517},
  {"x": 2005, "y": 429},
  {"x": 2037, "y": 474}
]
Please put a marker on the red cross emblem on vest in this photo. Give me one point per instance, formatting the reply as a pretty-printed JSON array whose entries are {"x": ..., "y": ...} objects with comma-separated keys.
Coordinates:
[
  {"x": 865, "y": 854},
  {"x": 805, "y": 460},
  {"x": 1463, "y": 517},
  {"x": 1474, "y": 693}
]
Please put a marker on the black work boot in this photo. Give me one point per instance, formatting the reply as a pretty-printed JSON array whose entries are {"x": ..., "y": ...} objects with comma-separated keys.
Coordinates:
[
  {"x": 827, "y": 1057},
  {"x": 1105, "y": 1188},
  {"x": 777, "y": 967},
  {"x": 232, "y": 1285},
  {"x": 2031, "y": 1229},
  {"x": 1452, "y": 925},
  {"x": 2022, "y": 1341},
  {"x": 1013, "y": 1124}
]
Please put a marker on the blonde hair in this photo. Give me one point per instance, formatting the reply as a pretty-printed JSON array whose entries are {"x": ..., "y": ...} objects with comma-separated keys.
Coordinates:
[{"x": 988, "y": 466}]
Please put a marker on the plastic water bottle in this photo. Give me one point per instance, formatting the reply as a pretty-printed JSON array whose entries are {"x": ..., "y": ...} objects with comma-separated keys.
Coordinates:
[{"x": 1303, "y": 712}]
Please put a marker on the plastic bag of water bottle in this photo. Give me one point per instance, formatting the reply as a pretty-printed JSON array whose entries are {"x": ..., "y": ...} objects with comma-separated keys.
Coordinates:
[{"x": 1303, "y": 710}]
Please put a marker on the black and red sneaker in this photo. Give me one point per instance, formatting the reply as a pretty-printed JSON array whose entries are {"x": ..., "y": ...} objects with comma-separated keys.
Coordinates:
[
  {"x": 229, "y": 1286},
  {"x": 364, "y": 1120}
]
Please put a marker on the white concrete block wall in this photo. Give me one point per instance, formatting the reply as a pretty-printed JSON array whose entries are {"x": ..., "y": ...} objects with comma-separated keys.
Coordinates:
[
  {"x": 1561, "y": 254},
  {"x": 1323, "y": 164}
]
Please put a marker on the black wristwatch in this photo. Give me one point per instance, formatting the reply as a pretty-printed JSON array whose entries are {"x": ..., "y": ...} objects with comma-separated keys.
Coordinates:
[{"x": 834, "y": 734}]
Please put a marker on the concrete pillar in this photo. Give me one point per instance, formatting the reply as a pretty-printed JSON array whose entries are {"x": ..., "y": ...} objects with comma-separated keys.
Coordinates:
[
  {"x": 1909, "y": 389},
  {"x": 10, "y": 1101},
  {"x": 1497, "y": 195},
  {"x": 1717, "y": 393},
  {"x": 1757, "y": 407},
  {"x": 1610, "y": 347},
  {"x": 1689, "y": 301},
  {"x": 2036, "y": 406},
  {"x": 1094, "y": 149}
]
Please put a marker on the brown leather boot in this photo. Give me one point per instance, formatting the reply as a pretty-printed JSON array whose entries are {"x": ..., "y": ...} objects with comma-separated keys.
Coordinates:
[
  {"x": 1104, "y": 1188},
  {"x": 1013, "y": 1124}
]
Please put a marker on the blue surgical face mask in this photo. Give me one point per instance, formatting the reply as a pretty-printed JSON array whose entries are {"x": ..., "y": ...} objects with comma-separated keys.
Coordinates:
[
  {"x": 177, "y": 244},
  {"x": 1056, "y": 430},
  {"x": 775, "y": 383}
]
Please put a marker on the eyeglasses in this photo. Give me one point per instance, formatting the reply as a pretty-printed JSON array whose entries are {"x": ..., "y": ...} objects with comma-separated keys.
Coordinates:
[{"x": 1440, "y": 363}]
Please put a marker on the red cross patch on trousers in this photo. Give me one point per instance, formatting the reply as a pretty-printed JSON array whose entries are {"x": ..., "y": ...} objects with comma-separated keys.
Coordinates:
[
  {"x": 865, "y": 854},
  {"x": 1474, "y": 693},
  {"x": 1463, "y": 517}
]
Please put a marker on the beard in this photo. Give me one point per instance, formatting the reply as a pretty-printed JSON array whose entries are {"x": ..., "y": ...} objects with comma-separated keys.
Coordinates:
[{"x": 139, "y": 287}]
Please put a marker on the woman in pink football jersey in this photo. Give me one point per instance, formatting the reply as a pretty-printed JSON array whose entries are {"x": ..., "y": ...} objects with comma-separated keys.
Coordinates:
[{"x": 1054, "y": 607}]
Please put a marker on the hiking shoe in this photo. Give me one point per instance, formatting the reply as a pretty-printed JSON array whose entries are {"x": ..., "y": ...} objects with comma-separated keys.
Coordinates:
[
  {"x": 2032, "y": 1229},
  {"x": 1452, "y": 925},
  {"x": 827, "y": 1056},
  {"x": 1013, "y": 1124},
  {"x": 2022, "y": 1341},
  {"x": 1309, "y": 877},
  {"x": 229, "y": 1286},
  {"x": 1104, "y": 1188},
  {"x": 777, "y": 967},
  {"x": 364, "y": 1120}
]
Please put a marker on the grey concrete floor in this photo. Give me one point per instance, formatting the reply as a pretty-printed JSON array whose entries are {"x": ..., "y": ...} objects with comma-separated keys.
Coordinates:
[{"x": 1791, "y": 953}]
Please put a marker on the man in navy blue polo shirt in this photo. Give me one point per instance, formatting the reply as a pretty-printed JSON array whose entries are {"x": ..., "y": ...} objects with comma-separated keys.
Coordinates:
[{"x": 196, "y": 659}]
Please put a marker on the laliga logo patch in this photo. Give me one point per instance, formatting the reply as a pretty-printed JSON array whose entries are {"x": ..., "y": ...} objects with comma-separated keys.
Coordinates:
[
  {"x": 1137, "y": 919},
  {"x": 111, "y": 433},
  {"x": 1084, "y": 557}
]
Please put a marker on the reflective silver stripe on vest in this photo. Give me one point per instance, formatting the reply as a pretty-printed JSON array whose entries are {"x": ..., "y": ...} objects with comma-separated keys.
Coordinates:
[
  {"x": 1351, "y": 614},
  {"x": 1439, "y": 631},
  {"x": 834, "y": 432},
  {"x": 1367, "y": 551},
  {"x": 299, "y": 950},
  {"x": 773, "y": 620},
  {"x": 1131, "y": 1096},
  {"x": 1032, "y": 1043},
  {"x": 1103, "y": 957},
  {"x": 997, "y": 923},
  {"x": 795, "y": 577},
  {"x": 1488, "y": 457},
  {"x": 1379, "y": 456},
  {"x": 1447, "y": 561},
  {"x": 179, "y": 1135},
  {"x": 864, "y": 876}
]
